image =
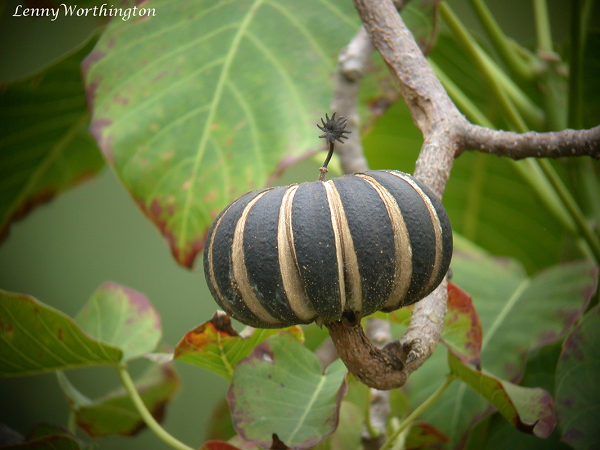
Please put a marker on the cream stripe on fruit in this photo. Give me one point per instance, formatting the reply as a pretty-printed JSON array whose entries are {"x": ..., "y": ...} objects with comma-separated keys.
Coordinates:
[
  {"x": 288, "y": 265},
  {"x": 436, "y": 227},
  {"x": 352, "y": 280},
  {"x": 240, "y": 274},
  {"x": 211, "y": 269},
  {"x": 402, "y": 248},
  {"x": 335, "y": 223}
]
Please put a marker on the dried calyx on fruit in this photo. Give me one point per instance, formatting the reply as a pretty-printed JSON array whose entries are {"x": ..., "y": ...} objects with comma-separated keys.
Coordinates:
[{"x": 357, "y": 244}]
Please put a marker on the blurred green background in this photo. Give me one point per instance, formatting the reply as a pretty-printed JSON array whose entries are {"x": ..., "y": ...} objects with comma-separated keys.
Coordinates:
[{"x": 64, "y": 250}]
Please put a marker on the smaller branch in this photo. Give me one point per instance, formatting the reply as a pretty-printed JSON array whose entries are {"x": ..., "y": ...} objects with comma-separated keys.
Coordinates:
[
  {"x": 352, "y": 64},
  {"x": 425, "y": 329},
  {"x": 532, "y": 144},
  {"x": 416, "y": 413}
]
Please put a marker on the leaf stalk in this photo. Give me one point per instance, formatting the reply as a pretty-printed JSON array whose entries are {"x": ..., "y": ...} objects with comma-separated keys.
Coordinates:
[
  {"x": 389, "y": 442},
  {"x": 150, "y": 421}
]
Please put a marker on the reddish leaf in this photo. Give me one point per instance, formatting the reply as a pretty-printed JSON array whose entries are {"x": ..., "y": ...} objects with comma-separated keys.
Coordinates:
[
  {"x": 218, "y": 445},
  {"x": 216, "y": 346},
  {"x": 241, "y": 443},
  {"x": 462, "y": 328}
]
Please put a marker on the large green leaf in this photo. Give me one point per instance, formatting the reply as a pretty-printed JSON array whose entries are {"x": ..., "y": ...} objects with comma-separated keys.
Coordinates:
[
  {"x": 216, "y": 346},
  {"x": 115, "y": 414},
  {"x": 202, "y": 102},
  {"x": 577, "y": 384},
  {"x": 520, "y": 313},
  {"x": 45, "y": 146},
  {"x": 280, "y": 389},
  {"x": 517, "y": 314},
  {"x": 122, "y": 317},
  {"x": 37, "y": 338}
]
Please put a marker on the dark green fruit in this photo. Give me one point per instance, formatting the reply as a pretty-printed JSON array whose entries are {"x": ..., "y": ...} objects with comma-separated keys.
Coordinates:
[{"x": 360, "y": 243}]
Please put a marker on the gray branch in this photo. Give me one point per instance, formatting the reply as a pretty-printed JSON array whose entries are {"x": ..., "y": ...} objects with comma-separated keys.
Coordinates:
[
  {"x": 547, "y": 145},
  {"x": 352, "y": 64},
  {"x": 446, "y": 134}
]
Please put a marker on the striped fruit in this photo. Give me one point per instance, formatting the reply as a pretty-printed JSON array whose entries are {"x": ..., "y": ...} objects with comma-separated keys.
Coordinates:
[{"x": 360, "y": 243}]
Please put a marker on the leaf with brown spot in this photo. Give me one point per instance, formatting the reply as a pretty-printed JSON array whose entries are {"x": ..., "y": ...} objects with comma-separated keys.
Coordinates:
[
  {"x": 189, "y": 124},
  {"x": 216, "y": 346},
  {"x": 36, "y": 338}
]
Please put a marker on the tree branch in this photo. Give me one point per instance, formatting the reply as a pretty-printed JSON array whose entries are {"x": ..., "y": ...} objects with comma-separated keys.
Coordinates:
[
  {"x": 532, "y": 144},
  {"x": 446, "y": 133}
]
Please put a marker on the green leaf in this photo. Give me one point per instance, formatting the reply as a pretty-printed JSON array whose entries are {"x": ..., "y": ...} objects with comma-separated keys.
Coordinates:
[
  {"x": 520, "y": 313},
  {"x": 202, "y": 102},
  {"x": 462, "y": 328},
  {"x": 517, "y": 314},
  {"x": 122, "y": 317},
  {"x": 219, "y": 426},
  {"x": 45, "y": 146},
  {"x": 528, "y": 409},
  {"x": 216, "y": 346},
  {"x": 115, "y": 414},
  {"x": 280, "y": 389},
  {"x": 591, "y": 84},
  {"x": 36, "y": 338},
  {"x": 577, "y": 386},
  {"x": 348, "y": 434}
]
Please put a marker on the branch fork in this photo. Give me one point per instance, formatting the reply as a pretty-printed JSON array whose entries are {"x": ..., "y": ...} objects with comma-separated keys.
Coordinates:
[{"x": 447, "y": 133}]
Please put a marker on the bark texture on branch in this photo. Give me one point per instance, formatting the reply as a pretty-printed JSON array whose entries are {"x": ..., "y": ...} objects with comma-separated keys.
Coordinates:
[{"x": 547, "y": 145}]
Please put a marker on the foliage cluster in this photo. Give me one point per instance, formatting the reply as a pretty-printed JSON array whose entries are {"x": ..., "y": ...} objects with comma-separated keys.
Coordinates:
[{"x": 207, "y": 99}]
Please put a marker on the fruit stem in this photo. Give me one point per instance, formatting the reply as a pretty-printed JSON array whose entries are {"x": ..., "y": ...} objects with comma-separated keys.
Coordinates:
[
  {"x": 380, "y": 369},
  {"x": 323, "y": 169}
]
